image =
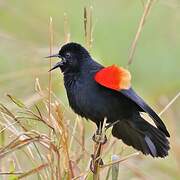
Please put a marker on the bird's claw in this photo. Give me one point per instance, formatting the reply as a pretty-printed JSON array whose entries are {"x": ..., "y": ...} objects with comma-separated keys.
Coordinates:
[
  {"x": 99, "y": 138},
  {"x": 94, "y": 161}
]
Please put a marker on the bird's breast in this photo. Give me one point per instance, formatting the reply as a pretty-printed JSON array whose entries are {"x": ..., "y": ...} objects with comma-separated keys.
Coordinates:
[{"x": 92, "y": 101}]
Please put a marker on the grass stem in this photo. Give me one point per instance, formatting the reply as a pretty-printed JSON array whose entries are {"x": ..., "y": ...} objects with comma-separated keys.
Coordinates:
[{"x": 147, "y": 9}]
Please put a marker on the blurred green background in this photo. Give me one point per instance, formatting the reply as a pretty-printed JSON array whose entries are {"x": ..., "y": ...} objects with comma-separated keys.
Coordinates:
[{"x": 24, "y": 41}]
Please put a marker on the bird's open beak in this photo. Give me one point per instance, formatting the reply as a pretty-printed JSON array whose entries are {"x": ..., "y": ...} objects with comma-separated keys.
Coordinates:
[
  {"x": 54, "y": 55},
  {"x": 58, "y": 64}
]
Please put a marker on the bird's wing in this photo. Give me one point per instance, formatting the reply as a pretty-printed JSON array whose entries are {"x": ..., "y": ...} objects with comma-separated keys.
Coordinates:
[
  {"x": 119, "y": 79},
  {"x": 114, "y": 77},
  {"x": 131, "y": 94}
]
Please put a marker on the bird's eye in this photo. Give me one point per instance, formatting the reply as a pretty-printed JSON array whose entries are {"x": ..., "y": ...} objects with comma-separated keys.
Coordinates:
[{"x": 68, "y": 55}]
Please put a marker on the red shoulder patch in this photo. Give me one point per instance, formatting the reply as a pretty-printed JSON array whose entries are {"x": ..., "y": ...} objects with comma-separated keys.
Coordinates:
[{"x": 114, "y": 77}]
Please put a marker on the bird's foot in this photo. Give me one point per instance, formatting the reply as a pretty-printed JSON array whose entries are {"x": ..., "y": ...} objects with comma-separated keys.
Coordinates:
[
  {"x": 99, "y": 138},
  {"x": 94, "y": 162}
]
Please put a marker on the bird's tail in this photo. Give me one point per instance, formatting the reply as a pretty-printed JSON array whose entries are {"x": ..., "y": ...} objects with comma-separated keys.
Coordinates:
[{"x": 143, "y": 136}]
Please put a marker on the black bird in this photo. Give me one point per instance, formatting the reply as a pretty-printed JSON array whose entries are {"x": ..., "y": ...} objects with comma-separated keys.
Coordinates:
[{"x": 96, "y": 92}]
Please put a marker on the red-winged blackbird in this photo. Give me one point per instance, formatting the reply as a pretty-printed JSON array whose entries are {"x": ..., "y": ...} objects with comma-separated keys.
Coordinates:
[{"x": 95, "y": 92}]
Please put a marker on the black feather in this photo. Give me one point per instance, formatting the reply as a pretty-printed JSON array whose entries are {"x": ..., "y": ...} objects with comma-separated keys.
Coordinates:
[
  {"x": 142, "y": 136},
  {"x": 131, "y": 94}
]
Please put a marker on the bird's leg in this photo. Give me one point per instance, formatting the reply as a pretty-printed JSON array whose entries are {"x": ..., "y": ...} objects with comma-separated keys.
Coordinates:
[{"x": 99, "y": 138}]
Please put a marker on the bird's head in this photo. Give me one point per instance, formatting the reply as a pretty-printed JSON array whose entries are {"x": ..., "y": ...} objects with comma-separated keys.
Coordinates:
[{"x": 72, "y": 56}]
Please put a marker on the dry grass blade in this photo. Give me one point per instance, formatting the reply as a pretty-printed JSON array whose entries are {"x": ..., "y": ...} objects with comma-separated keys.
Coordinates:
[
  {"x": 7, "y": 126},
  {"x": 169, "y": 104},
  {"x": 25, "y": 139},
  {"x": 16, "y": 101},
  {"x": 120, "y": 160},
  {"x": 88, "y": 27},
  {"x": 67, "y": 34},
  {"x": 16, "y": 144},
  {"x": 50, "y": 64},
  {"x": 49, "y": 80},
  {"x": 6, "y": 111},
  {"x": 39, "y": 112},
  {"x": 73, "y": 132},
  {"x": 147, "y": 9},
  {"x": 82, "y": 175},
  {"x": 19, "y": 142},
  {"x": 38, "y": 88},
  {"x": 11, "y": 173},
  {"x": 35, "y": 170},
  {"x": 64, "y": 139},
  {"x": 85, "y": 24},
  {"x": 81, "y": 127}
]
